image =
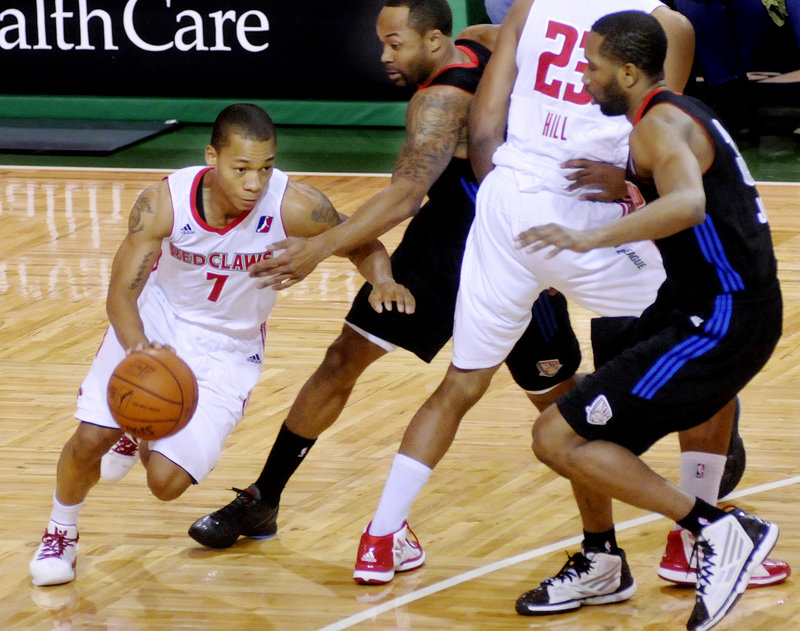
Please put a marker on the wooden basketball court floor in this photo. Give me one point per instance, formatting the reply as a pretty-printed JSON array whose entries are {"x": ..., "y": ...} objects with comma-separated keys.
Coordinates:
[{"x": 493, "y": 520}]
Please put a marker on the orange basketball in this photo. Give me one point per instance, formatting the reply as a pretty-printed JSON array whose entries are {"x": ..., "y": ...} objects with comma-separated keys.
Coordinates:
[{"x": 152, "y": 393}]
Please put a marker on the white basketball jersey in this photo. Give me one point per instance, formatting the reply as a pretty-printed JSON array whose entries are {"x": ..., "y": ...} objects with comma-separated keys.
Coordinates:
[
  {"x": 551, "y": 118},
  {"x": 203, "y": 271}
]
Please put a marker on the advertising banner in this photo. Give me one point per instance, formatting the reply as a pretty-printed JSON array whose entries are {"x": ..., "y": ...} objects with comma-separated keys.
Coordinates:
[{"x": 244, "y": 49}]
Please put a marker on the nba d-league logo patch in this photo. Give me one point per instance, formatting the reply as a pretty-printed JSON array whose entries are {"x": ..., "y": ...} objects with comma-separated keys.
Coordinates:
[
  {"x": 264, "y": 224},
  {"x": 599, "y": 412},
  {"x": 548, "y": 367}
]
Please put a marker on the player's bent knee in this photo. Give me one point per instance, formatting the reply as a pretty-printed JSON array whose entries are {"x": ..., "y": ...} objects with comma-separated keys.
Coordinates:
[
  {"x": 92, "y": 441},
  {"x": 541, "y": 443},
  {"x": 550, "y": 444},
  {"x": 166, "y": 480},
  {"x": 166, "y": 489}
]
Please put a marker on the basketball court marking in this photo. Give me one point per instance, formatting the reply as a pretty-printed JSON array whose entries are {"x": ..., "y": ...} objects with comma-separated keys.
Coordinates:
[
  {"x": 400, "y": 601},
  {"x": 289, "y": 173},
  {"x": 162, "y": 170}
]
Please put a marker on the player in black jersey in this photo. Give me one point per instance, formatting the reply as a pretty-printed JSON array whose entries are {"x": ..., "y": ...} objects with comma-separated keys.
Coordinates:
[
  {"x": 714, "y": 324},
  {"x": 418, "y": 51}
]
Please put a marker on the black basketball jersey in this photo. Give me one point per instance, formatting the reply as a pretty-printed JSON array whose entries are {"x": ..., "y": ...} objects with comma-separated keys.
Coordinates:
[
  {"x": 731, "y": 251},
  {"x": 452, "y": 195}
]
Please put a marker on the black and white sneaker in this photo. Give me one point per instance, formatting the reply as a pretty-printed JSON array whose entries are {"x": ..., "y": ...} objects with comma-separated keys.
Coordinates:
[
  {"x": 587, "y": 578},
  {"x": 732, "y": 547}
]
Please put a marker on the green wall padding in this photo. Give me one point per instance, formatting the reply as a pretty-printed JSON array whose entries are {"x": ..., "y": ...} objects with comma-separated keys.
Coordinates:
[{"x": 351, "y": 113}]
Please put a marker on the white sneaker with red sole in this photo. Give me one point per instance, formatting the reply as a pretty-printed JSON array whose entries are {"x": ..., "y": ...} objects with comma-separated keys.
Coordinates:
[
  {"x": 679, "y": 563},
  {"x": 380, "y": 557}
]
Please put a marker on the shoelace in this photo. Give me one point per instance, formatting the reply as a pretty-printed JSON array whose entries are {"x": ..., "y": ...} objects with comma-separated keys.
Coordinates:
[
  {"x": 243, "y": 498},
  {"x": 55, "y": 543},
  {"x": 125, "y": 446},
  {"x": 415, "y": 543},
  {"x": 705, "y": 564},
  {"x": 576, "y": 565}
]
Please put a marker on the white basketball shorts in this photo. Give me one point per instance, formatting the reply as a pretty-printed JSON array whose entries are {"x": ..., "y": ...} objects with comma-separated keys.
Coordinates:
[
  {"x": 500, "y": 282},
  {"x": 226, "y": 368}
]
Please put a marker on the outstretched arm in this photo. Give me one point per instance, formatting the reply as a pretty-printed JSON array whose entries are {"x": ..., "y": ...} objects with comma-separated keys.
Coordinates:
[
  {"x": 435, "y": 120},
  {"x": 307, "y": 213},
  {"x": 150, "y": 221}
]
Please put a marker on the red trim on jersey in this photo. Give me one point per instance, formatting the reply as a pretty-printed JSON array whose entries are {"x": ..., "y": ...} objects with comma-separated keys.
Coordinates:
[
  {"x": 196, "y": 213},
  {"x": 472, "y": 63},
  {"x": 639, "y": 113}
]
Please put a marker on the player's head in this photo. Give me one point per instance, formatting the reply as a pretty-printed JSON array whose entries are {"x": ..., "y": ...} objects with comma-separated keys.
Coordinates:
[
  {"x": 426, "y": 15},
  {"x": 244, "y": 119},
  {"x": 242, "y": 152},
  {"x": 415, "y": 35},
  {"x": 623, "y": 50}
]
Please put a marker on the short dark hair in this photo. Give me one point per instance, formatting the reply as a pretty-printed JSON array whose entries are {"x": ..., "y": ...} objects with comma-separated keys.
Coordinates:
[
  {"x": 244, "y": 119},
  {"x": 426, "y": 15},
  {"x": 634, "y": 37}
]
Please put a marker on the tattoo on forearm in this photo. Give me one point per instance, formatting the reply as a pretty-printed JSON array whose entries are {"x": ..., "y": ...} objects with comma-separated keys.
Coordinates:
[
  {"x": 136, "y": 219},
  {"x": 144, "y": 267}
]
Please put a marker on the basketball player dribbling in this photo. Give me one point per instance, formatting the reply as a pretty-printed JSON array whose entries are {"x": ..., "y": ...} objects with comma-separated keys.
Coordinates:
[{"x": 180, "y": 279}]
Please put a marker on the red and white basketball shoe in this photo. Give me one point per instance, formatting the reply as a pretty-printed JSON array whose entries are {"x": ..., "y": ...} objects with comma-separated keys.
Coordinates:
[
  {"x": 679, "y": 563},
  {"x": 380, "y": 557}
]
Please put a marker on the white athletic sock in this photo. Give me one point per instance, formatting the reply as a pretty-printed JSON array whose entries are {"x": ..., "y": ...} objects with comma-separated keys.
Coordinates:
[
  {"x": 405, "y": 481},
  {"x": 701, "y": 474},
  {"x": 66, "y": 515}
]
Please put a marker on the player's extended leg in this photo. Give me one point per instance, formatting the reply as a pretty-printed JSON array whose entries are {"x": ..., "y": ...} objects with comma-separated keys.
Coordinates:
[
  {"x": 324, "y": 395},
  {"x": 732, "y": 543},
  {"x": 77, "y": 472},
  {"x": 254, "y": 511},
  {"x": 385, "y": 547},
  {"x": 712, "y": 463},
  {"x": 433, "y": 428},
  {"x": 597, "y": 575},
  {"x": 720, "y": 435}
]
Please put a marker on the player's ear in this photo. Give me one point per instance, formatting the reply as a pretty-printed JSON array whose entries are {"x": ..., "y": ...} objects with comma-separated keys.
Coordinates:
[
  {"x": 435, "y": 40},
  {"x": 629, "y": 74},
  {"x": 211, "y": 156}
]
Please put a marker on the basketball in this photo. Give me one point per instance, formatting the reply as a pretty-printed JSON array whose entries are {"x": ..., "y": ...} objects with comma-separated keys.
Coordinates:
[{"x": 152, "y": 393}]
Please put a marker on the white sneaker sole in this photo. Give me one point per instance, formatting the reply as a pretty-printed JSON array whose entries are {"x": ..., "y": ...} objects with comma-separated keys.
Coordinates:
[{"x": 374, "y": 577}]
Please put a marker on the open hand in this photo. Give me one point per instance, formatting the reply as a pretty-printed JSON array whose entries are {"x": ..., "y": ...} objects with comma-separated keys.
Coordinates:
[
  {"x": 384, "y": 294},
  {"x": 607, "y": 180},
  {"x": 297, "y": 260},
  {"x": 555, "y": 236}
]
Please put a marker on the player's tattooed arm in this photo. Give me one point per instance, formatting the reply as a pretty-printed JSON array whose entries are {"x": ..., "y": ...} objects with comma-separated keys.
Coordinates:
[
  {"x": 140, "y": 213},
  {"x": 317, "y": 207},
  {"x": 436, "y": 124},
  {"x": 143, "y": 270},
  {"x": 149, "y": 222}
]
